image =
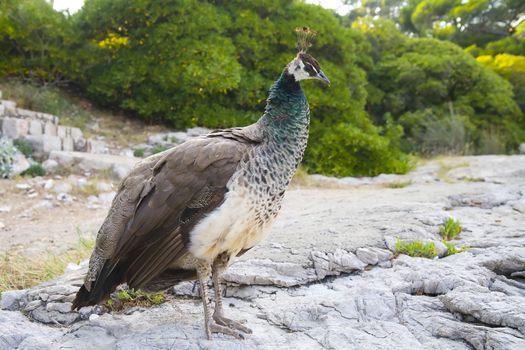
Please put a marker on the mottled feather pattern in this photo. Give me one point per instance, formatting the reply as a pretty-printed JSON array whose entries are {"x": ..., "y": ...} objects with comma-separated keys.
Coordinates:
[{"x": 214, "y": 194}]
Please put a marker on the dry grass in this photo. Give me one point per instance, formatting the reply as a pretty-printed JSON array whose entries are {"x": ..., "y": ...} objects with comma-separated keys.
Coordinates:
[
  {"x": 397, "y": 184},
  {"x": 18, "y": 271},
  {"x": 445, "y": 168},
  {"x": 301, "y": 178}
]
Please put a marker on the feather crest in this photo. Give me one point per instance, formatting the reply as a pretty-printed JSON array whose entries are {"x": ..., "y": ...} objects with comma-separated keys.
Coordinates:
[{"x": 305, "y": 37}]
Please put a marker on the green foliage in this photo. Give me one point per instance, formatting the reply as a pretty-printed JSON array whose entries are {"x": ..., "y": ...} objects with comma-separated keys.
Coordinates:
[
  {"x": 36, "y": 169},
  {"x": 24, "y": 147},
  {"x": 210, "y": 63},
  {"x": 398, "y": 184},
  {"x": 452, "y": 249},
  {"x": 158, "y": 148},
  {"x": 139, "y": 152},
  {"x": 7, "y": 156},
  {"x": 35, "y": 41},
  {"x": 417, "y": 249},
  {"x": 445, "y": 101},
  {"x": 450, "y": 229},
  {"x": 130, "y": 297},
  {"x": 45, "y": 99},
  {"x": 344, "y": 149}
]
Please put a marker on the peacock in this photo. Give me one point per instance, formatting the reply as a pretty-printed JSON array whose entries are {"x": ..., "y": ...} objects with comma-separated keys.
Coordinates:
[{"x": 187, "y": 212}]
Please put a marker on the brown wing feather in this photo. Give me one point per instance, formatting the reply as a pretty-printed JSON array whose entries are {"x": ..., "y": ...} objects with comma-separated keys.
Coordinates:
[{"x": 157, "y": 205}]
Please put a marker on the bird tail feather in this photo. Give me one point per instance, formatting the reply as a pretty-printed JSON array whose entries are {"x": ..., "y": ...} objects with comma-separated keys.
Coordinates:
[{"x": 110, "y": 277}]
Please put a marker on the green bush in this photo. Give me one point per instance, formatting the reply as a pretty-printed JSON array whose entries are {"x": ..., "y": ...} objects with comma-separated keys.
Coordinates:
[
  {"x": 24, "y": 147},
  {"x": 36, "y": 169},
  {"x": 7, "y": 154},
  {"x": 417, "y": 249},
  {"x": 45, "y": 99},
  {"x": 35, "y": 41},
  {"x": 211, "y": 64},
  {"x": 139, "y": 152},
  {"x": 450, "y": 229},
  {"x": 443, "y": 98},
  {"x": 158, "y": 148}
]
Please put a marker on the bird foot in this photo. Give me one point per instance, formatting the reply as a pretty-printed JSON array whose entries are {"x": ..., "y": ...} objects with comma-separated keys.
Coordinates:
[
  {"x": 217, "y": 328},
  {"x": 238, "y": 325}
]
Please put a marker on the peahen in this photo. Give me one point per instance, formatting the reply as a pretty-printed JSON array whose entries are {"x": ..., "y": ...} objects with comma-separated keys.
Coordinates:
[{"x": 186, "y": 212}]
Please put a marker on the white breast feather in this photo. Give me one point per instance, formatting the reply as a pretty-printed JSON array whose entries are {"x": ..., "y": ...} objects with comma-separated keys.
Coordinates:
[{"x": 231, "y": 227}]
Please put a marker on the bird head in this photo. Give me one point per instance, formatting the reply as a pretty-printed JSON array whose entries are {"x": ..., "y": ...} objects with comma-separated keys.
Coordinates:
[{"x": 304, "y": 67}]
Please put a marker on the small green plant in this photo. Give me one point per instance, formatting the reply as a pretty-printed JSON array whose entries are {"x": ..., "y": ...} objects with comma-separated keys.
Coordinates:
[
  {"x": 130, "y": 297},
  {"x": 24, "y": 147},
  {"x": 416, "y": 249},
  {"x": 450, "y": 229},
  {"x": 36, "y": 169},
  {"x": 139, "y": 152},
  {"x": 158, "y": 148},
  {"x": 452, "y": 249},
  {"x": 7, "y": 156},
  {"x": 397, "y": 184}
]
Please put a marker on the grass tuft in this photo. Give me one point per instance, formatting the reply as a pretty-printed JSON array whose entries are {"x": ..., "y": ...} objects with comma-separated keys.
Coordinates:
[
  {"x": 19, "y": 271},
  {"x": 139, "y": 152},
  {"x": 24, "y": 147},
  {"x": 126, "y": 298},
  {"x": 417, "y": 249},
  {"x": 444, "y": 169},
  {"x": 397, "y": 184},
  {"x": 36, "y": 169},
  {"x": 450, "y": 229},
  {"x": 452, "y": 249},
  {"x": 158, "y": 148}
]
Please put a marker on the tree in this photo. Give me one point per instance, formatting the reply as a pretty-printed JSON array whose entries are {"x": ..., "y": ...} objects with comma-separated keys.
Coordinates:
[
  {"x": 428, "y": 85},
  {"x": 34, "y": 41}
]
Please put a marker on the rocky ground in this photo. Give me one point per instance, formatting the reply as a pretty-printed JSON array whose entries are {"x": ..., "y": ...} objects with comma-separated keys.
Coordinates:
[{"x": 327, "y": 277}]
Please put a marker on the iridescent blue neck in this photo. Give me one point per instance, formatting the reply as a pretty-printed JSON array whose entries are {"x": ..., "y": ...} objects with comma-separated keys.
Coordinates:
[{"x": 286, "y": 106}]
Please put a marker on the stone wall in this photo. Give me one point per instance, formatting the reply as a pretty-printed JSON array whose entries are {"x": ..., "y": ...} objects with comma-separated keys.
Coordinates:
[{"x": 43, "y": 131}]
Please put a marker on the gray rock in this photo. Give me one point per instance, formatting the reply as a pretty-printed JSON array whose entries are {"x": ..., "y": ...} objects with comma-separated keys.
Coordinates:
[
  {"x": 485, "y": 306},
  {"x": 60, "y": 307},
  {"x": 63, "y": 187},
  {"x": 15, "y": 128},
  {"x": 96, "y": 146},
  {"x": 32, "y": 305},
  {"x": 23, "y": 186},
  {"x": 10, "y": 300},
  {"x": 390, "y": 242},
  {"x": 54, "y": 317},
  {"x": 20, "y": 164},
  {"x": 266, "y": 272},
  {"x": 36, "y": 127},
  {"x": 45, "y": 143},
  {"x": 441, "y": 248},
  {"x": 118, "y": 165},
  {"x": 367, "y": 255},
  {"x": 522, "y": 148},
  {"x": 332, "y": 264},
  {"x": 50, "y": 129}
]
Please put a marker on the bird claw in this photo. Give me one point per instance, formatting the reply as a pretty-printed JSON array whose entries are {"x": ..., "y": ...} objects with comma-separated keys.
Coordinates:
[
  {"x": 216, "y": 328},
  {"x": 238, "y": 325}
]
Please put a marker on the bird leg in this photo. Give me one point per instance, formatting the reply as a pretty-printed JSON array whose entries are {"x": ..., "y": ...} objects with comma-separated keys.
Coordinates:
[
  {"x": 210, "y": 325},
  {"x": 219, "y": 265}
]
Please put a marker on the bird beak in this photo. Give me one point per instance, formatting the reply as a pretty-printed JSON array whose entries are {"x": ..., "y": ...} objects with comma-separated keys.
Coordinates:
[{"x": 323, "y": 77}]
